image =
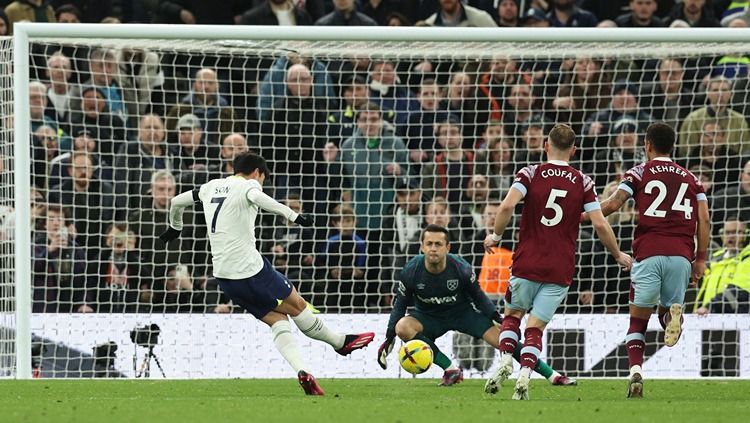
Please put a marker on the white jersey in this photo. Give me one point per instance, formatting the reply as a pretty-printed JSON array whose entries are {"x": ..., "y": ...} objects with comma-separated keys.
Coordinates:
[{"x": 231, "y": 209}]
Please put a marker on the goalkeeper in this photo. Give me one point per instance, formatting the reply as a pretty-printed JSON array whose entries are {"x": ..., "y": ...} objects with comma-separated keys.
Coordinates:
[{"x": 445, "y": 295}]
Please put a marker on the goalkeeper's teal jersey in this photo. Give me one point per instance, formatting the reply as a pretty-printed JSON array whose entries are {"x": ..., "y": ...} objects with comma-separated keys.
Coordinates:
[{"x": 445, "y": 295}]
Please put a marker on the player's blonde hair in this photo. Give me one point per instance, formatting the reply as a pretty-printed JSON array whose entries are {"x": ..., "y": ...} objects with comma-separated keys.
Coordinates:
[{"x": 562, "y": 137}]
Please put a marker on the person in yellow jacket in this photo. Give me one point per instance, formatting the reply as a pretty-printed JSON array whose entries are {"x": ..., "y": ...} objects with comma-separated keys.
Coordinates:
[{"x": 729, "y": 267}]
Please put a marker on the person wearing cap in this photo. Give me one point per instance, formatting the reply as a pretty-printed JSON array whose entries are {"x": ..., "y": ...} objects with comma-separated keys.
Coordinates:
[
  {"x": 95, "y": 118},
  {"x": 625, "y": 151},
  {"x": 191, "y": 152},
  {"x": 719, "y": 95},
  {"x": 642, "y": 15},
  {"x": 624, "y": 102},
  {"x": 507, "y": 13},
  {"x": 341, "y": 123},
  {"x": 454, "y": 13},
  {"x": 535, "y": 18},
  {"x": 403, "y": 220},
  {"x": 565, "y": 13}
]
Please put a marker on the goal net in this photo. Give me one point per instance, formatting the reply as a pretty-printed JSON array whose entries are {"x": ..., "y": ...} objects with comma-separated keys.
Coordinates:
[{"x": 376, "y": 139}]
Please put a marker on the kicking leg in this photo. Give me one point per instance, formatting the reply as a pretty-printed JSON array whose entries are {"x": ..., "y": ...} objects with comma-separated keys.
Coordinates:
[
  {"x": 510, "y": 334},
  {"x": 313, "y": 327}
]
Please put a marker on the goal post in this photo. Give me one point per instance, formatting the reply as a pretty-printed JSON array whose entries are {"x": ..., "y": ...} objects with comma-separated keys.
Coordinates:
[{"x": 250, "y": 67}]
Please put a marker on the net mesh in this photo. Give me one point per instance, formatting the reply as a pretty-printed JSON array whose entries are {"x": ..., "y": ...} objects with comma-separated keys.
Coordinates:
[{"x": 376, "y": 140}]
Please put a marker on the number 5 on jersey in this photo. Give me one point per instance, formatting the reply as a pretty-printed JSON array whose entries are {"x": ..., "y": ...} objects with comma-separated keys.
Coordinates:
[
  {"x": 554, "y": 194},
  {"x": 220, "y": 201}
]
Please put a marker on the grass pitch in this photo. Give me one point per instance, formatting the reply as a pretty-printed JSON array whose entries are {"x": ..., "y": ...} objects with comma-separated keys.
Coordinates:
[{"x": 366, "y": 400}]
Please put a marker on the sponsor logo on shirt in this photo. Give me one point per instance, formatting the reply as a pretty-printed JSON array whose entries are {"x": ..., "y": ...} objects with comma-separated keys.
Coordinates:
[{"x": 439, "y": 300}]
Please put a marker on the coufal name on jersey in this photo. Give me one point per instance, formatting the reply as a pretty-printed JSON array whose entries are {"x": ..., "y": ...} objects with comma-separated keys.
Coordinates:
[
  {"x": 439, "y": 300},
  {"x": 670, "y": 169},
  {"x": 561, "y": 173}
]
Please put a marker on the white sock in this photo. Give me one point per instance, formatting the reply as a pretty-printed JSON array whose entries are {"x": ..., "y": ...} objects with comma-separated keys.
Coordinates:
[
  {"x": 553, "y": 376},
  {"x": 636, "y": 369},
  {"x": 452, "y": 366},
  {"x": 286, "y": 344},
  {"x": 314, "y": 328}
]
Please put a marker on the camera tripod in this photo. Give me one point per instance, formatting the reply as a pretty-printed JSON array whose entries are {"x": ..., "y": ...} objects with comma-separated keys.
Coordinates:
[{"x": 145, "y": 368}]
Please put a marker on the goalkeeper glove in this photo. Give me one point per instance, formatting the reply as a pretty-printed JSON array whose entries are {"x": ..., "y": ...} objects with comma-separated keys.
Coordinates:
[
  {"x": 384, "y": 350},
  {"x": 170, "y": 234},
  {"x": 304, "y": 220}
]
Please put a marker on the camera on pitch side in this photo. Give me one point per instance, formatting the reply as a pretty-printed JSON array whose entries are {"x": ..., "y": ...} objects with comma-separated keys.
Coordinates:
[{"x": 146, "y": 336}]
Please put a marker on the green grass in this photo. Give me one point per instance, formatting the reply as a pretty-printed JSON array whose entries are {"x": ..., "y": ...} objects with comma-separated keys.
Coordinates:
[{"x": 363, "y": 401}]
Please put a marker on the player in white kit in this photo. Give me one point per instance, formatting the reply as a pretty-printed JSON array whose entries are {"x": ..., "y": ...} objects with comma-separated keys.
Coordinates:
[{"x": 231, "y": 208}]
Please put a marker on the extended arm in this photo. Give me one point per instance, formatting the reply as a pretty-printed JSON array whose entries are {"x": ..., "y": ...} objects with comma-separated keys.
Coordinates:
[
  {"x": 265, "y": 202},
  {"x": 507, "y": 207},
  {"x": 177, "y": 206}
]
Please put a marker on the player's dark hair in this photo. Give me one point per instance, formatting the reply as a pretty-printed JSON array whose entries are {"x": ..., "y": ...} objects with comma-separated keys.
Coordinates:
[
  {"x": 437, "y": 228},
  {"x": 247, "y": 162},
  {"x": 661, "y": 136},
  {"x": 562, "y": 137}
]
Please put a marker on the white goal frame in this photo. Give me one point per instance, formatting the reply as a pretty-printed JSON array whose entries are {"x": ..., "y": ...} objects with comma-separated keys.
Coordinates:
[{"x": 23, "y": 33}]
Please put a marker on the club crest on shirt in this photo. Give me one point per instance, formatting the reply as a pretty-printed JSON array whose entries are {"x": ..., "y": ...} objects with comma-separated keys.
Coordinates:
[{"x": 452, "y": 284}]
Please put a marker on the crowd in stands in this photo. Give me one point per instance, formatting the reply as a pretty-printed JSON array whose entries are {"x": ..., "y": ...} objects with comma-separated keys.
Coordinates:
[{"x": 375, "y": 149}]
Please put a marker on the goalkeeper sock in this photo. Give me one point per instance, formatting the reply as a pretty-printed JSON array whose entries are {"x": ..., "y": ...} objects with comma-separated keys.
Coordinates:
[
  {"x": 438, "y": 357},
  {"x": 286, "y": 344},
  {"x": 541, "y": 367},
  {"x": 314, "y": 328}
]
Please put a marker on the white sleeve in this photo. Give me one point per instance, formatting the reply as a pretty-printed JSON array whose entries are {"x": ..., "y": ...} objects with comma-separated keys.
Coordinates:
[
  {"x": 265, "y": 202},
  {"x": 178, "y": 204}
]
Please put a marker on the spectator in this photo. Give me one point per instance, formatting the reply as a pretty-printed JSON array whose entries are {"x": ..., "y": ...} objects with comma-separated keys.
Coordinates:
[
  {"x": 472, "y": 107},
  {"x": 4, "y": 23},
  {"x": 420, "y": 130},
  {"x": 344, "y": 257},
  {"x": 59, "y": 93},
  {"x": 124, "y": 282},
  {"x": 668, "y": 99},
  {"x": 89, "y": 11},
  {"x": 371, "y": 161},
  {"x": 519, "y": 108},
  {"x": 105, "y": 73},
  {"x": 696, "y": 13},
  {"x": 475, "y": 198},
  {"x": 496, "y": 163},
  {"x": 137, "y": 160},
  {"x": 565, "y": 13},
  {"x": 59, "y": 268},
  {"x": 68, "y": 13},
  {"x": 152, "y": 219},
  {"x": 143, "y": 69},
  {"x": 734, "y": 200},
  {"x": 276, "y": 12},
  {"x": 382, "y": 10},
  {"x": 531, "y": 148},
  {"x": 45, "y": 147},
  {"x": 642, "y": 15},
  {"x": 273, "y": 85},
  {"x": 83, "y": 142},
  {"x": 507, "y": 13},
  {"x": 37, "y": 108},
  {"x": 345, "y": 14},
  {"x": 724, "y": 264},
  {"x": 395, "y": 100},
  {"x": 192, "y": 12},
  {"x": 535, "y": 18},
  {"x": 341, "y": 124},
  {"x": 29, "y": 11},
  {"x": 438, "y": 212},
  {"x": 191, "y": 152},
  {"x": 402, "y": 223},
  {"x": 294, "y": 138},
  {"x": 494, "y": 130},
  {"x": 585, "y": 86},
  {"x": 95, "y": 118},
  {"x": 91, "y": 201},
  {"x": 453, "y": 13},
  {"x": 503, "y": 74},
  {"x": 397, "y": 19},
  {"x": 719, "y": 94},
  {"x": 232, "y": 145},
  {"x": 712, "y": 152},
  {"x": 205, "y": 101},
  {"x": 625, "y": 151},
  {"x": 452, "y": 167}
]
